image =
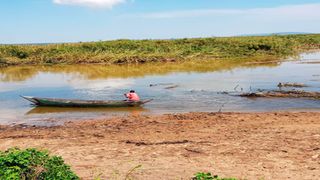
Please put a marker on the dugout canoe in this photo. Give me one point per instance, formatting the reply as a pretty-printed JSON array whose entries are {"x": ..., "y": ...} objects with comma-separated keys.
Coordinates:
[{"x": 53, "y": 102}]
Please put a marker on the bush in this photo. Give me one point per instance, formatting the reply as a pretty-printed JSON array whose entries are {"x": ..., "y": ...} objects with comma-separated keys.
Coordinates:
[
  {"x": 32, "y": 164},
  {"x": 209, "y": 176},
  {"x": 16, "y": 52}
]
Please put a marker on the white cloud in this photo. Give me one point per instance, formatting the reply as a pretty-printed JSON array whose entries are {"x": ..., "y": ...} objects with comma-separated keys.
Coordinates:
[
  {"x": 304, "y": 11},
  {"x": 91, "y": 3}
]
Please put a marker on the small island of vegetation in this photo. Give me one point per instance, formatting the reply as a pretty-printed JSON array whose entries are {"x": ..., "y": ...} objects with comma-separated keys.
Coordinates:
[{"x": 142, "y": 51}]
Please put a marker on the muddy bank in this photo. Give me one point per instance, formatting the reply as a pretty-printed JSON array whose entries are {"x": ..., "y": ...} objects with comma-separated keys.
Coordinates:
[{"x": 243, "y": 145}]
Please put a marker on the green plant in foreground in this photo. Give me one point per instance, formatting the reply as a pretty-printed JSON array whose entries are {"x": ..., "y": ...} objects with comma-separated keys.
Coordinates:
[
  {"x": 32, "y": 164},
  {"x": 209, "y": 176}
]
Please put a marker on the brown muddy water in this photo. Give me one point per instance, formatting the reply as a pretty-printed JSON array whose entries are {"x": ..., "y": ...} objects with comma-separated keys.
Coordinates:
[{"x": 175, "y": 88}]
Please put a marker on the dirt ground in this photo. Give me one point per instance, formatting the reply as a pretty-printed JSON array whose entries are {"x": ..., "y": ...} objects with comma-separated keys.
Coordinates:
[{"x": 243, "y": 145}]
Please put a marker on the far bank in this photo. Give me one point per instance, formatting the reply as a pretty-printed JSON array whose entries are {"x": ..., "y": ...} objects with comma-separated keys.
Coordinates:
[{"x": 144, "y": 51}]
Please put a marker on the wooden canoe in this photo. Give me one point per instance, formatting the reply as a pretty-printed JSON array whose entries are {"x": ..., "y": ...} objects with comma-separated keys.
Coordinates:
[{"x": 53, "y": 102}]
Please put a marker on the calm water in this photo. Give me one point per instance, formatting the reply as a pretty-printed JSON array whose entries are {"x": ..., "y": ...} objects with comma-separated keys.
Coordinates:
[{"x": 199, "y": 87}]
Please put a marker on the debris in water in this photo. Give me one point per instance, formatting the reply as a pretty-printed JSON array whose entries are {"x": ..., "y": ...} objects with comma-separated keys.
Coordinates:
[
  {"x": 297, "y": 85},
  {"x": 194, "y": 90},
  {"x": 283, "y": 94},
  {"x": 168, "y": 85},
  {"x": 161, "y": 84},
  {"x": 257, "y": 94},
  {"x": 172, "y": 87}
]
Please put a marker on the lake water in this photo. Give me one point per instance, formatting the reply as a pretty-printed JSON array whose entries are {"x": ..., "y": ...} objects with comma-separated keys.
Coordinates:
[{"x": 199, "y": 86}]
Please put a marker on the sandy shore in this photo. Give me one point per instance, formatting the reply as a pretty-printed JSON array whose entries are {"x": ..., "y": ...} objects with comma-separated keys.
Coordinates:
[{"x": 242, "y": 145}]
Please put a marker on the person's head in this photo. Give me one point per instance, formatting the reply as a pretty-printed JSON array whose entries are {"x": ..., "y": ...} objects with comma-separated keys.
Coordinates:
[{"x": 132, "y": 91}]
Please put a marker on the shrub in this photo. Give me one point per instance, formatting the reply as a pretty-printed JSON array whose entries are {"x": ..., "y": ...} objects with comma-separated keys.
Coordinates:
[
  {"x": 16, "y": 52},
  {"x": 32, "y": 164},
  {"x": 209, "y": 176}
]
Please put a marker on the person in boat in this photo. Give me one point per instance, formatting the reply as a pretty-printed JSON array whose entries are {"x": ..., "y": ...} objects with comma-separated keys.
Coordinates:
[{"x": 132, "y": 96}]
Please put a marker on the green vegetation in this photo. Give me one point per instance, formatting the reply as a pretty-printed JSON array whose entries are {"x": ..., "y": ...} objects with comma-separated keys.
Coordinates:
[
  {"x": 209, "y": 176},
  {"x": 16, "y": 164},
  {"x": 140, "y": 51}
]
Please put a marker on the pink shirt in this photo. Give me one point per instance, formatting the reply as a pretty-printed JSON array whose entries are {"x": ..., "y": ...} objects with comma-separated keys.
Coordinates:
[{"x": 133, "y": 97}]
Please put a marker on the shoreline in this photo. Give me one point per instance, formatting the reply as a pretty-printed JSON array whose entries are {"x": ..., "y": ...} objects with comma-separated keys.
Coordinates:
[{"x": 268, "y": 145}]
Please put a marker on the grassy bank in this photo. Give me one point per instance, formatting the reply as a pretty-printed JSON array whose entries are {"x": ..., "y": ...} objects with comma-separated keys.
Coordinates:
[{"x": 140, "y": 51}]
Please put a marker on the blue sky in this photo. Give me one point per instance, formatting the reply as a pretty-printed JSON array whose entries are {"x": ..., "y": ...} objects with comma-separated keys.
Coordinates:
[{"x": 46, "y": 21}]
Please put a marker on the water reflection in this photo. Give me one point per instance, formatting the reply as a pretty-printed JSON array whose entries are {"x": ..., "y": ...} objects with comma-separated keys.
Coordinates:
[
  {"x": 48, "y": 110},
  {"x": 92, "y": 72}
]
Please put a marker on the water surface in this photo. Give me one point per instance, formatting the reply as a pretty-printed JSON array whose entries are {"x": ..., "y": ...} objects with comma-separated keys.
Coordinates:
[{"x": 200, "y": 84}]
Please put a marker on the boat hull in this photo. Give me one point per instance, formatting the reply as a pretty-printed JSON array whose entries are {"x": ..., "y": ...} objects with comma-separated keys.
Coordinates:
[{"x": 52, "y": 102}]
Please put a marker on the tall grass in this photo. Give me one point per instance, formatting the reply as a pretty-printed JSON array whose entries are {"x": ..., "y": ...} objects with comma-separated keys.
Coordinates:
[{"x": 140, "y": 51}]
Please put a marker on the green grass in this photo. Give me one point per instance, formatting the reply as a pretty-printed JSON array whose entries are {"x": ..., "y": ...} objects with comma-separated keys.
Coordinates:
[{"x": 141, "y": 51}]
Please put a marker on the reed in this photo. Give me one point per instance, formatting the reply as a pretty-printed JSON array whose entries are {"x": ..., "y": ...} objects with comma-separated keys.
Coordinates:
[{"x": 142, "y": 51}]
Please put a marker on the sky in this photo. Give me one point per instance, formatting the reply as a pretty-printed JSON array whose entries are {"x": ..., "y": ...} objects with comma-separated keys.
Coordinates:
[{"x": 52, "y": 21}]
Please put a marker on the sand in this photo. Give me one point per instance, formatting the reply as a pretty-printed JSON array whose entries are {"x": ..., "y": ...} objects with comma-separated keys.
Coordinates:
[{"x": 278, "y": 145}]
